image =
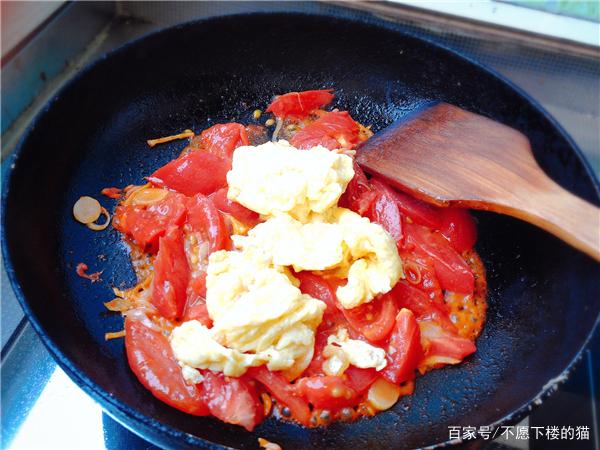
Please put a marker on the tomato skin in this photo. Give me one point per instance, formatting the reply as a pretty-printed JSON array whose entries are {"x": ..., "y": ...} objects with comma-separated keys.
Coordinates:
[
  {"x": 171, "y": 275},
  {"x": 420, "y": 273},
  {"x": 232, "y": 400},
  {"x": 419, "y": 212},
  {"x": 405, "y": 342},
  {"x": 442, "y": 346},
  {"x": 283, "y": 391},
  {"x": 423, "y": 307},
  {"x": 382, "y": 311},
  {"x": 222, "y": 139},
  {"x": 145, "y": 225},
  {"x": 299, "y": 104},
  {"x": 332, "y": 130},
  {"x": 319, "y": 288},
  {"x": 204, "y": 219},
  {"x": 385, "y": 211},
  {"x": 151, "y": 360},
  {"x": 233, "y": 208},
  {"x": 457, "y": 225},
  {"x": 360, "y": 379},
  {"x": 196, "y": 172},
  {"x": 451, "y": 269},
  {"x": 326, "y": 392}
]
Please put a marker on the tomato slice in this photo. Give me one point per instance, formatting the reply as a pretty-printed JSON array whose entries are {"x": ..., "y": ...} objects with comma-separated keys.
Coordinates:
[
  {"x": 404, "y": 349},
  {"x": 195, "y": 309},
  {"x": 171, "y": 275},
  {"x": 419, "y": 212},
  {"x": 317, "y": 287},
  {"x": 145, "y": 225},
  {"x": 451, "y": 269},
  {"x": 299, "y": 104},
  {"x": 374, "y": 320},
  {"x": 420, "y": 273},
  {"x": 222, "y": 139},
  {"x": 332, "y": 130},
  {"x": 151, "y": 360},
  {"x": 204, "y": 219},
  {"x": 196, "y": 172},
  {"x": 233, "y": 208},
  {"x": 283, "y": 391},
  {"x": 358, "y": 195},
  {"x": 423, "y": 307},
  {"x": 360, "y": 379},
  {"x": 457, "y": 225},
  {"x": 232, "y": 400},
  {"x": 385, "y": 210},
  {"x": 442, "y": 346},
  {"x": 326, "y": 392}
]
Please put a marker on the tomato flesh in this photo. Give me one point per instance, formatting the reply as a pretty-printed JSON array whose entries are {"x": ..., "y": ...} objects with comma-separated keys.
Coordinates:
[
  {"x": 404, "y": 349},
  {"x": 457, "y": 225},
  {"x": 443, "y": 346},
  {"x": 361, "y": 379},
  {"x": 451, "y": 269},
  {"x": 222, "y": 139},
  {"x": 332, "y": 130},
  {"x": 234, "y": 209},
  {"x": 153, "y": 363},
  {"x": 326, "y": 392},
  {"x": 145, "y": 225},
  {"x": 171, "y": 275},
  {"x": 196, "y": 172},
  {"x": 385, "y": 211},
  {"x": 373, "y": 320},
  {"x": 283, "y": 391},
  {"x": 299, "y": 104},
  {"x": 204, "y": 219},
  {"x": 233, "y": 400}
]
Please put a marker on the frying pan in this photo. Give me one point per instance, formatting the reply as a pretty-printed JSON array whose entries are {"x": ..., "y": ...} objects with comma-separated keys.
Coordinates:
[{"x": 544, "y": 297}]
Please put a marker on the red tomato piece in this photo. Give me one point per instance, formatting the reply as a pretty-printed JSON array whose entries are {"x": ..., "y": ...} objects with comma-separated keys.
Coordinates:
[
  {"x": 358, "y": 195},
  {"x": 457, "y": 225},
  {"x": 299, "y": 104},
  {"x": 360, "y": 379},
  {"x": 418, "y": 211},
  {"x": 171, "y": 275},
  {"x": 233, "y": 208},
  {"x": 151, "y": 360},
  {"x": 222, "y": 139},
  {"x": 451, "y": 269},
  {"x": 318, "y": 287},
  {"x": 195, "y": 172},
  {"x": 146, "y": 224},
  {"x": 420, "y": 273},
  {"x": 404, "y": 349},
  {"x": 442, "y": 346},
  {"x": 283, "y": 391},
  {"x": 423, "y": 307},
  {"x": 385, "y": 210},
  {"x": 195, "y": 309},
  {"x": 374, "y": 320},
  {"x": 232, "y": 400},
  {"x": 204, "y": 219},
  {"x": 326, "y": 392},
  {"x": 332, "y": 130}
]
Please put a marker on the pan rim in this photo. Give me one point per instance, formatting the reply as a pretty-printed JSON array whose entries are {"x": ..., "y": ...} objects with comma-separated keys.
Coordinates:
[{"x": 117, "y": 408}]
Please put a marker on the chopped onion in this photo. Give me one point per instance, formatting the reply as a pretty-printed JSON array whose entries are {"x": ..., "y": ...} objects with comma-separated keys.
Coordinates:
[
  {"x": 383, "y": 395},
  {"x": 147, "y": 196},
  {"x": 87, "y": 210},
  {"x": 114, "y": 335},
  {"x": 162, "y": 140},
  {"x": 100, "y": 227}
]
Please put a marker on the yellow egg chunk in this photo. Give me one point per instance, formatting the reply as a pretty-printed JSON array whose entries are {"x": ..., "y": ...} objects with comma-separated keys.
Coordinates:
[
  {"x": 275, "y": 178},
  {"x": 338, "y": 240},
  {"x": 359, "y": 353},
  {"x": 259, "y": 317}
]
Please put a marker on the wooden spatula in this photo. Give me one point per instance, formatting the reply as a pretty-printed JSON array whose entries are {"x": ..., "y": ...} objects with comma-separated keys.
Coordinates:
[{"x": 446, "y": 155}]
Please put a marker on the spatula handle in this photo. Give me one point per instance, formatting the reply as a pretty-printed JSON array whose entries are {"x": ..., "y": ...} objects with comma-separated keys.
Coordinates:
[{"x": 568, "y": 217}]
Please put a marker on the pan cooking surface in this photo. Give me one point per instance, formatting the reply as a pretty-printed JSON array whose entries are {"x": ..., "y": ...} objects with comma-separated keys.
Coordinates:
[{"x": 543, "y": 299}]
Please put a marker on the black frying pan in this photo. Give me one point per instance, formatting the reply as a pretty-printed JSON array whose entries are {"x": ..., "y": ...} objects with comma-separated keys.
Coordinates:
[{"x": 544, "y": 296}]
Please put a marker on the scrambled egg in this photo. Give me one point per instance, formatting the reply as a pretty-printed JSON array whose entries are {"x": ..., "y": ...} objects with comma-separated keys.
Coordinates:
[
  {"x": 275, "y": 178},
  {"x": 259, "y": 317},
  {"x": 339, "y": 240},
  {"x": 259, "y": 314},
  {"x": 341, "y": 351}
]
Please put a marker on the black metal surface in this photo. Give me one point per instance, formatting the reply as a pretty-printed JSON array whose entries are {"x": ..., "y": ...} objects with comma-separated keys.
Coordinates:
[{"x": 544, "y": 297}]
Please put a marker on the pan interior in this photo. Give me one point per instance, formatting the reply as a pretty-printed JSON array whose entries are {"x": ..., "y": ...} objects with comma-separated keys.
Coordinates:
[{"x": 543, "y": 297}]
